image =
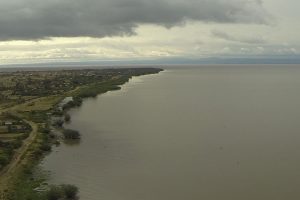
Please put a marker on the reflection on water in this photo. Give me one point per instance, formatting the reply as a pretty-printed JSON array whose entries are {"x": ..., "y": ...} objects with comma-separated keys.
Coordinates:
[{"x": 212, "y": 133}]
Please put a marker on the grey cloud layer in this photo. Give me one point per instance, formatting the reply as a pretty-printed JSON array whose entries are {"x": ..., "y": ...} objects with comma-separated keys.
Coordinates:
[
  {"x": 249, "y": 40},
  {"x": 38, "y": 19}
]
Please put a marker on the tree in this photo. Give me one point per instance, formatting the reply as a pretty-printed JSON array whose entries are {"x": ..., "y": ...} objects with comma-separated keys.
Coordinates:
[
  {"x": 70, "y": 191},
  {"x": 71, "y": 134},
  {"x": 67, "y": 117},
  {"x": 59, "y": 123},
  {"x": 54, "y": 193},
  {"x": 45, "y": 147},
  {"x": 4, "y": 159}
]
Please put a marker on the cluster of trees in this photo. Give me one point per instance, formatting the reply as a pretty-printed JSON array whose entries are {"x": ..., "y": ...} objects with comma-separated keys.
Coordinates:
[
  {"x": 3, "y": 97},
  {"x": 62, "y": 192},
  {"x": 99, "y": 88},
  {"x": 4, "y": 158},
  {"x": 58, "y": 123},
  {"x": 67, "y": 117},
  {"x": 71, "y": 134},
  {"x": 7, "y": 150},
  {"x": 77, "y": 101}
]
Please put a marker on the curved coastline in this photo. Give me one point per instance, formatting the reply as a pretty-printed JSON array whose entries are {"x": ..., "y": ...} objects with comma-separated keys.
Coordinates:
[
  {"x": 69, "y": 112},
  {"x": 81, "y": 101},
  {"x": 23, "y": 172}
]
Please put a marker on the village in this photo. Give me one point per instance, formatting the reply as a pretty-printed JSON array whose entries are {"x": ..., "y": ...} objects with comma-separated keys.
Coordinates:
[{"x": 11, "y": 126}]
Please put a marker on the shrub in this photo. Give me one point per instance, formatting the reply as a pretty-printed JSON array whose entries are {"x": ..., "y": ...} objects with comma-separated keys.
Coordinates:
[
  {"x": 62, "y": 192},
  {"x": 24, "y": 136},
  {"x": 17, "y": 143},
  {"x": 75, "y": 103},
  {"x": 67, "y": 117},
  {"x": 58, "y": 123},
  {"x": 71, "y": 134},
  {"x": 45, "y": 147},
  {"x": 70, "y": 191},
  {"x": 54, "y": 193},
  {"x": 57, "y": 112},
  {"x": 4, "y": 159},
  {"x": 45, "y": 130}
]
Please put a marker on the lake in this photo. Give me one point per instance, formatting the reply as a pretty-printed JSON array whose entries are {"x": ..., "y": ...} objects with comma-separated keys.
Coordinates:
[{"x": 208, "y": 132}]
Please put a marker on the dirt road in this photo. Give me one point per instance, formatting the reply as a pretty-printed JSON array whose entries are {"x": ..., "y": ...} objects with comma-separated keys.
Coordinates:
[{"x": 7, "y": 173}]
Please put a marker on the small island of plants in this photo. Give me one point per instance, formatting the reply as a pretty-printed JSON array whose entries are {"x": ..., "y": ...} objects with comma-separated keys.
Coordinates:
[{"x": 70, "y": 134}]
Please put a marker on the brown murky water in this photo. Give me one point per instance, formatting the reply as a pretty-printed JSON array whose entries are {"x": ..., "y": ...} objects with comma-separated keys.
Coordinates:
[{"x": 212, "y": 133}]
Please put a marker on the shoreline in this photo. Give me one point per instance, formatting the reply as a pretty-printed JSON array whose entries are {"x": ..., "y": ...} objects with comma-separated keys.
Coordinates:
[{"x": 21, "y": 173}]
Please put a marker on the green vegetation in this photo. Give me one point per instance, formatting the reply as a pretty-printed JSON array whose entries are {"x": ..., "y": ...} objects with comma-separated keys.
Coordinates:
[
  {"x": 24, "y": 187},
  {"x": 77, "y": 101},
  {"x": 36, "y": 116},
  {"x": 4, "y": 157},
  {"x": 62, "y": 192},
  {"x": 70, "y": 191},
  {"x": 67, "y": 117},
  {"x": 25, "y": 183},
  {"x": 44, "y": 129},
  {"x": 13, "y": 130},
  {"x": 58, "y": 123},
  {"x": 71, "y": 134}
]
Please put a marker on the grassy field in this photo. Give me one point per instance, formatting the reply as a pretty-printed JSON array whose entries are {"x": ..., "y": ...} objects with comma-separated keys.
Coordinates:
[{"x": 39, "y": 104}]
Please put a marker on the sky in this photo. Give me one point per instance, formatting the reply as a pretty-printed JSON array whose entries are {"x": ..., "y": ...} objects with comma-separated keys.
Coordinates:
[{"x": 35, "y": 31}]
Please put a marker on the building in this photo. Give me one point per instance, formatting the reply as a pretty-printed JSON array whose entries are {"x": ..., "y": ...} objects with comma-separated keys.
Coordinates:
[{"x": 8, "y": 123}]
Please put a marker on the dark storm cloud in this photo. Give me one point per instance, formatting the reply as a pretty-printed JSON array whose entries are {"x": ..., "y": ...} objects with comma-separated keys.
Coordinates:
[{"x": 38, "y": 19}]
